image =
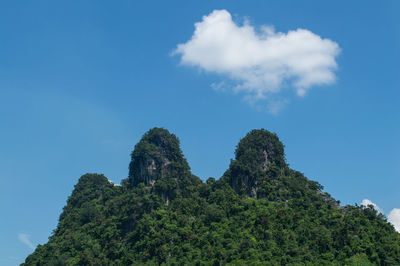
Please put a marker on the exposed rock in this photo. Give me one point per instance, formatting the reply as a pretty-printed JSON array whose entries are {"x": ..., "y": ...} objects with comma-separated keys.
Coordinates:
[
  {"x": 266, "y": 161},
  {"x": 255, "y": 153},
  {"x": 158, "y": 163},
  {"x": 328, "y": 199},
  {"x": 153, "y": 156}
]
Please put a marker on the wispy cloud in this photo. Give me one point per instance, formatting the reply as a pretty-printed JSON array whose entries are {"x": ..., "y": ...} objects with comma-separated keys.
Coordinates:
[
  {"x": 261, "y": 62},
  {"x": 24, "y": 238}
]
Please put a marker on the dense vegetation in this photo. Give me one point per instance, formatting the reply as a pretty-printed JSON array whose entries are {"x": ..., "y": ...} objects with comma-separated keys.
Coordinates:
[{"x": 260, "y": 212}]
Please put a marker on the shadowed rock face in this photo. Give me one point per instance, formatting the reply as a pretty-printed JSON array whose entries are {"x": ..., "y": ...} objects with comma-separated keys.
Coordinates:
[
  {"x": 157, "y": 155},
  {"x": 259, "y": 148},
  {"x": 254, "y": 155}
]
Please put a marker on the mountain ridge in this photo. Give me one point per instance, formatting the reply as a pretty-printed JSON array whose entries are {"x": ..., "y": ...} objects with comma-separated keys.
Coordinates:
[{"x": 259, "y": 212}]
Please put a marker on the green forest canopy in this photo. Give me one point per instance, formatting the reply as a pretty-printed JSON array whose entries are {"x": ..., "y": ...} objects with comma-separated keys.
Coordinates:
[{"x": 260, "y": 212}]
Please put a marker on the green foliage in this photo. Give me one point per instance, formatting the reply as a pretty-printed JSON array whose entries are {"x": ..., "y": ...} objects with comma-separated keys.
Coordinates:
[
  {"x": 290, "y": 222},
  {"x": 157, "y": 161},
  {"x": 259, "y": 159},
  {"x": 250, "y": 149},
  {"x": 161, "y": 150}
]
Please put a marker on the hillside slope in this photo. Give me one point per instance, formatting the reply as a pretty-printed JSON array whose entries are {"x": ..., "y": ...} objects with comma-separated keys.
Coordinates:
[{"x": 259, "y": 212}]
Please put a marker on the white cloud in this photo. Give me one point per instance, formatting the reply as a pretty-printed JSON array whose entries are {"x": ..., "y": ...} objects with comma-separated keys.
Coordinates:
[
  {"x": 367, "y": 202},
  {"x": 24, "y": 238},
  {"x": 259, "y": 63},
  {"x": 112, "y": 183},
  {"x": 394, "y": 218},
  {"x": 394, "y": 215}
]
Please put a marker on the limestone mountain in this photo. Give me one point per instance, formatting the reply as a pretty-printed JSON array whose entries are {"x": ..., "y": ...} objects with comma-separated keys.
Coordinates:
[
  {"x": 260, "y": 170},
  {"x": 257, "y": 156},
  {"x": 260, "y": 212},
  {"x": 157, "y": 162},
  {"x": 157, "y": 155}
]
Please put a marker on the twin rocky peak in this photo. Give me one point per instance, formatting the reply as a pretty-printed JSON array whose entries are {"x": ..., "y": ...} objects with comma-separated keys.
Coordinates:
[{"x": 158, "y": 162}]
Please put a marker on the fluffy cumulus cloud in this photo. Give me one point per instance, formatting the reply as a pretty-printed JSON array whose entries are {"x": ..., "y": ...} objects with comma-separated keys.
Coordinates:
[
  {"x": 259, "y": 62},
  {"x": 24, "y": 238},
  {"x": 393, "y": 217}
]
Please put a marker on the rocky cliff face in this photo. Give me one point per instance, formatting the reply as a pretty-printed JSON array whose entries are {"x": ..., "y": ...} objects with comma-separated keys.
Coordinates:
[
  {"x": 260, "y": 171},
  {"x": 157, "y": 155},
  {"x": 260, "y": 148},
  {"x": 257, "y": 153},
  {"x": 158, "y": 163}
]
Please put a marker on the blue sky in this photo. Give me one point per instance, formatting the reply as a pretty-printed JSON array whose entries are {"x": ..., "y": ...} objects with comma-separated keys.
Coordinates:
[{"x": 81, "y": 82}]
